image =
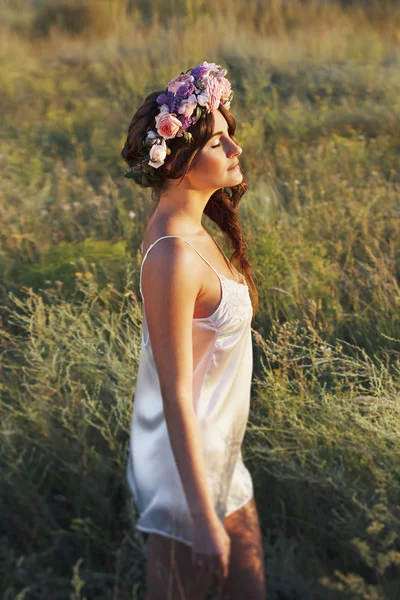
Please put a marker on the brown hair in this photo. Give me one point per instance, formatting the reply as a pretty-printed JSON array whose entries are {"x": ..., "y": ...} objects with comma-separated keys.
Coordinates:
[{"x": 222, "y": 207}]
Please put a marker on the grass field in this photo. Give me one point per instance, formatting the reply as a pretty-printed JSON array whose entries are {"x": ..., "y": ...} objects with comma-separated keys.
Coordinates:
[{"x": 317, "y": 88}]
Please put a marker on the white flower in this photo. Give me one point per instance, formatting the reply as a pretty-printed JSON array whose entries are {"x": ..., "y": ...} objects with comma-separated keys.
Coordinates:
[
  {"x": 151, "y": 135},
  {"x": 203, "y": 98},
  {"x": 158, "y": 152},
  {"x": 187, "y": 106},
  {"x": 213, "y": 67},
  {"x": 131, "y": 214}
]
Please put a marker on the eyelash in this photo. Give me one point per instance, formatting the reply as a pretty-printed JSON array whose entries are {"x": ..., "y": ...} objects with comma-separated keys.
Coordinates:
[{"x": 220, "y": 144}]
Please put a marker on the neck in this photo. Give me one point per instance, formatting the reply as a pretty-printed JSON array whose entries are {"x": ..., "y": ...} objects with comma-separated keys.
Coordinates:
[{"x": 185, "y": 206}]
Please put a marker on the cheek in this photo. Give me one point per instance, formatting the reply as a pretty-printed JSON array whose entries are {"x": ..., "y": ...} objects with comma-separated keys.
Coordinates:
[{"x": 209, "y": 165}]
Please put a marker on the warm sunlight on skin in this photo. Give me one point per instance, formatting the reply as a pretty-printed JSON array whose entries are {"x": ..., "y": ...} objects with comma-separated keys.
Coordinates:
[
  {"x": 208, "y": 173},
  {"x": 316, "y": 99}
]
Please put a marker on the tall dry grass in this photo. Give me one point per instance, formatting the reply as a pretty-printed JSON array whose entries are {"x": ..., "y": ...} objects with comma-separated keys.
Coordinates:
[{"x": 316, "y": 101}]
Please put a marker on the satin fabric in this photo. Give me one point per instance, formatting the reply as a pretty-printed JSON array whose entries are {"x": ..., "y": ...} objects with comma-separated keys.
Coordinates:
[{"x": 222, "y": 372}]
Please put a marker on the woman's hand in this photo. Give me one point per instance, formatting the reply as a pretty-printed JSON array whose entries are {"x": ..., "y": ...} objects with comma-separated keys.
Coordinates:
[{"x": 211, "y": 548}]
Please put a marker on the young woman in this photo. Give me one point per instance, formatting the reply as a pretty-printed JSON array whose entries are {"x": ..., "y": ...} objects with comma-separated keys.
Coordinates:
[{"x": 185, "y": 470}]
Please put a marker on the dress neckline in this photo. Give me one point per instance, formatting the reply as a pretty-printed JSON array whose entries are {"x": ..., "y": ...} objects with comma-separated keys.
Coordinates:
[{"x": 234, "y": 281}]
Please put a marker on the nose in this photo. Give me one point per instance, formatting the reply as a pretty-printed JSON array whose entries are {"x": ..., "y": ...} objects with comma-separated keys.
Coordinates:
[{"x": 238, "y": 150}]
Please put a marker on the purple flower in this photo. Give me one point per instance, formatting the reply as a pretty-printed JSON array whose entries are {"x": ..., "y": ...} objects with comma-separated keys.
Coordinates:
[
  {"x": 188, "y": 121},
  {"x": 165, "y": 98},
  {"x": 199, "y": 71},
  {"x": 162, "y": 99},
  {"x": 185, "y": 90},
  {"x": 175, "y": 100}
]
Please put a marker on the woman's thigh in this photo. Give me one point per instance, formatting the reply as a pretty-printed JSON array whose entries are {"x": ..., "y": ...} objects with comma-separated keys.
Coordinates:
[
  {"x": 246, "y": 577},
  {"x": 170, "y": 574}
]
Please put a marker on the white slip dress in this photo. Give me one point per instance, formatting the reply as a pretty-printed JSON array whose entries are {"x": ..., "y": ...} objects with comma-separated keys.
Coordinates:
[{"x": 222, "y": 373}]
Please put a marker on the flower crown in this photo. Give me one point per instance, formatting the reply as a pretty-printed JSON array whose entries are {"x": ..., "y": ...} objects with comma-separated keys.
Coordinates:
[{"x": 188, "y": 98}]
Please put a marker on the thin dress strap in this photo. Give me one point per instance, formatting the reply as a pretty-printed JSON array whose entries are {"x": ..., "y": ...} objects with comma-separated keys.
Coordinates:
[
  {"x": 223, "y": 253},
  {"x": 169, "y": 236}
]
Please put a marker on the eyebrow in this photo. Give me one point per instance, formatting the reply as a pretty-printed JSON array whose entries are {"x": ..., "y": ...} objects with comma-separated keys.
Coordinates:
[{"x": 218, "y": 133}]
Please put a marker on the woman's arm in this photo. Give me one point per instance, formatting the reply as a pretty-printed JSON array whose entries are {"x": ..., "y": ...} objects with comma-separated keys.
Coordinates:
[{"x": 170, "y": 285}]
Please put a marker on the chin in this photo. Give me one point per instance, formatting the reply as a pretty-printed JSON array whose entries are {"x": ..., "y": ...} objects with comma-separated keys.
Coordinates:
[{"x": 236, "y": 174}]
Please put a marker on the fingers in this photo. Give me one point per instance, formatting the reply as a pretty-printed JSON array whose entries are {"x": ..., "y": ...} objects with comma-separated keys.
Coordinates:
[
  {"x": 215, "y": 564},
  {"x": 222, "y": 571}
]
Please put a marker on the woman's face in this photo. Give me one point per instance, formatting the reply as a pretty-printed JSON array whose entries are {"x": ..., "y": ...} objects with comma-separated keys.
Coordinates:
[{"x": 210, "y": 169}]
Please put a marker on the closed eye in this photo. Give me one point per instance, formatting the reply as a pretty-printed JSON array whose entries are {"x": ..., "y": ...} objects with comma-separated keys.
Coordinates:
[{"x": 232, "y": 138}]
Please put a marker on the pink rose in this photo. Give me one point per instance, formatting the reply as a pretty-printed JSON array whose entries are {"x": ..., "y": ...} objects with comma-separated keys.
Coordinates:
[
  {"x": 167, "y": 125},
  {"x": 176, "y": 83}
]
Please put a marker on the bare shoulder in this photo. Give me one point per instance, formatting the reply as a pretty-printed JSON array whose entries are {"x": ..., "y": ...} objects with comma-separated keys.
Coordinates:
[
  {"x": 169, "y": 265},
  {"x": 170, "y": 286}
]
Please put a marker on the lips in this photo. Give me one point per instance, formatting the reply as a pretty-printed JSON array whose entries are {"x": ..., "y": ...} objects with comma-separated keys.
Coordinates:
[{"x": 233, "y": 166}]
